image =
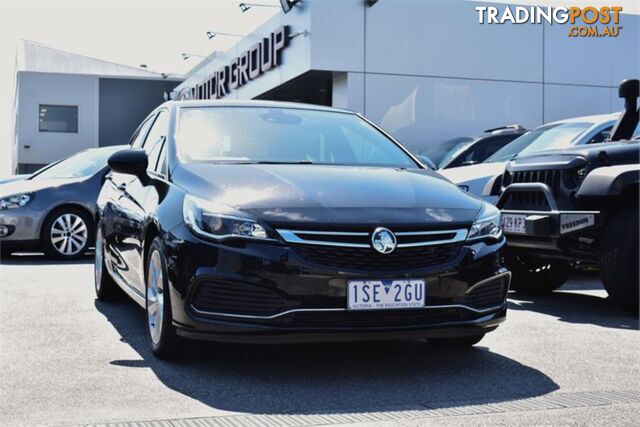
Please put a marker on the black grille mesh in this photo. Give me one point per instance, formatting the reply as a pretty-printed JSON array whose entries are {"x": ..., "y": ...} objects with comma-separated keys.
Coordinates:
[
  {"x": 533, "y": 199},
  {"x": 549, "y": 177},
  {"x": 368, "y": 259},
  {"x": 490, "y": 294},
  {"x": 236, "y": 298}
]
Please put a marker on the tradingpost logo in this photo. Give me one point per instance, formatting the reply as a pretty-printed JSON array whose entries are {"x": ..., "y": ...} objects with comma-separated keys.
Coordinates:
[{"x": 585, "y": 21}]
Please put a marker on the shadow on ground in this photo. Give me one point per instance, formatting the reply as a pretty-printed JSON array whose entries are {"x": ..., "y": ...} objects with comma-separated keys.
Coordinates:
[
  {"x": 585, "y": 307},
  {"x": 328, "y": 378},
  {"x": 37, "y": 258}
]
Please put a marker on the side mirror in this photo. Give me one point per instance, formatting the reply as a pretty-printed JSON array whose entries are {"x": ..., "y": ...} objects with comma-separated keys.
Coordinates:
[
  {"x": 427, "y": 162},
  {"x": 130, "y": 161}
]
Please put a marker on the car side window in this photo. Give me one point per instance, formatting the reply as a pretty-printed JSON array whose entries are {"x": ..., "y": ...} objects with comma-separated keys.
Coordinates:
[
  {"x": 155, "y": 139},
  {"x": 138, "y": 137},
  {"x": 492, "y": 145},
  {"x": 161, "y": 167},
  {"x": 601, "y": 136},
  {"x": 481, "y": 150}
]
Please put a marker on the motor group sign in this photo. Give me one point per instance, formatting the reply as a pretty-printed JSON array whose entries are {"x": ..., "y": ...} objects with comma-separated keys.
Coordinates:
[{"x": 259, "y": 58}]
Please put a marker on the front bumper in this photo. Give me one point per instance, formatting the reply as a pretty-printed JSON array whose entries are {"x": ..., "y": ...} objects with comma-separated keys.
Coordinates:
[
  {"x": 20, "y": 228},
  {"x": 266, "y": 292},
  {"x": 544, "y": 229}
]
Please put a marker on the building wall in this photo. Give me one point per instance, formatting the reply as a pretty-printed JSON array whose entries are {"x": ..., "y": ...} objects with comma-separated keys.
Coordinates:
[
  {"x": 439, "y": 74},
  {"x": 124, "y": 103},
  {"x": 428, "y": 71},
  {"x": 57, "y": 89}
]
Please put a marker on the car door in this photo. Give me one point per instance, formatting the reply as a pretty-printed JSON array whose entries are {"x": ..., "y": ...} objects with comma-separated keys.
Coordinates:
[
  {"x": 115, "y": 214},
  {"x": 137, "y": 204}
]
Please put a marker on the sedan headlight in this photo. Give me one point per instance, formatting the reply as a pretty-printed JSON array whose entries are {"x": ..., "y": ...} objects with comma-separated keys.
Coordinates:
[
  {"x": 487, "y": 225},
  {"x": 219, "y": 222},
  {"x": 15, "y": 201}
]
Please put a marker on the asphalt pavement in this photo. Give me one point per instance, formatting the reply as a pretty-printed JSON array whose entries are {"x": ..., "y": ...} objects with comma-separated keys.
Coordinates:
[{"x": 67, "y": 359}]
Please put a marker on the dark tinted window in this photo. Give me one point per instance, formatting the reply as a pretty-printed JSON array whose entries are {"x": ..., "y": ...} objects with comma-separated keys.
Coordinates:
[
  {"x": 444, "y": 151},
  {"x": 483, "y": 149},
  {"x": 601, "y": 136},
  {"x": 58, "y": 118},
  {"x": 161, "y": 167}
]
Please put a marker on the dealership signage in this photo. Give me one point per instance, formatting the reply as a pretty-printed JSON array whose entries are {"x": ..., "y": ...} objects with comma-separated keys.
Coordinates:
[
  {"x": 583, "y": 21},
  {"x": 259, "y": 58}
]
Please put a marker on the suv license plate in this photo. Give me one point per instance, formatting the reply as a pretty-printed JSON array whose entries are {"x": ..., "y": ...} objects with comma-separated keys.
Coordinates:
[
  {"x": 385, "y": 294},
  {"x": 514, "y": 224}
]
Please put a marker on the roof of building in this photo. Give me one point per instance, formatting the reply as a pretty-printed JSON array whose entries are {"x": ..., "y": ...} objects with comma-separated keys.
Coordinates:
[{"x": 36, "y": 57}]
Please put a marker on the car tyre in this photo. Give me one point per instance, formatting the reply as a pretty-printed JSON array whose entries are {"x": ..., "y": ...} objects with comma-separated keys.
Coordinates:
[
  {"x": 106, "y": 288},
  {"x": 618, "y": 258},
  {"x": 536, "y": 275},
  {"x": 160, "y": 330},
  {"x": 66, "y": 233},
  {"x": 458, "y": 342}
]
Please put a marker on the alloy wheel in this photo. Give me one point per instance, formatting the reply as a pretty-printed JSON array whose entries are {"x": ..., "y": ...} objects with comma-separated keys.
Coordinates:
[
  {"x": 69, "y": 234},
  {"x": 155, "y": 297}
]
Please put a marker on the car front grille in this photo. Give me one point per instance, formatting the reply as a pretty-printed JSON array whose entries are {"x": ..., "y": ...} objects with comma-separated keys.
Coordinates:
[
  {"x": 236, "y": 298},
  {"x": 532, "y": 200},
  {"x": 352, "y": 250},
  {"x": 549, "y": 177},
  {"x": 368, "y": 259}
]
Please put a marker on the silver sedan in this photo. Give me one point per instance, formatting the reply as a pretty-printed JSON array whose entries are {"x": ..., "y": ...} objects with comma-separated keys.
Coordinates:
[{"x": 53, "y": 210}]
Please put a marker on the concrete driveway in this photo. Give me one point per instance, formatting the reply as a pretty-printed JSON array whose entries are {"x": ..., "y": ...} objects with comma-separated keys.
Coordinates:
[{"x": 66, "y": 359}]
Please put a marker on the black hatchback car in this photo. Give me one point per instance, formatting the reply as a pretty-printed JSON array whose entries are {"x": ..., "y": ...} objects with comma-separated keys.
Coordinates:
[{"x": 276, "y": 222}]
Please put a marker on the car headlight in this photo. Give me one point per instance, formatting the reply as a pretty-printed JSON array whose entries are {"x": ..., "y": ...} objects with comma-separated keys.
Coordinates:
[
  {"x": 487, "y": 225},
  {"x": 220, "y": 222},
  {"x": 15, "y": 201}
]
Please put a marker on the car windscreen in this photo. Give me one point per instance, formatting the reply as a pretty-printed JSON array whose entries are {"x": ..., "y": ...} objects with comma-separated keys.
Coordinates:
[
  {"x": 542, "y": 138},
  {"x": 444, "y": 151},
  {"x": 80, "y": 165},
  {"x": 283, "y": 135}
]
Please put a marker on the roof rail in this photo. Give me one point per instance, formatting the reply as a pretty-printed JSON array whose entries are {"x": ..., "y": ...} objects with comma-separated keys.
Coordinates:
[{"x": 514, "y": 126}]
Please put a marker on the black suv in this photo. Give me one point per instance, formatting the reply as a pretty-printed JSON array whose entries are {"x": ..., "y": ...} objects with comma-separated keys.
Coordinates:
[{"x": 579, "y": 204}]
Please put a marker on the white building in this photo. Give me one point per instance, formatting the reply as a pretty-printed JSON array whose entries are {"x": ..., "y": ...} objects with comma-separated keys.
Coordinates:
[
  {"x": 67, "y": 102},
  {"x": 425, "y": 70}
]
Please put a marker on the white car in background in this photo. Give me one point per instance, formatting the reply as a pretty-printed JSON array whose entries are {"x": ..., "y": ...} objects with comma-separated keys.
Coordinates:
[{"x": 480, "y": 179}]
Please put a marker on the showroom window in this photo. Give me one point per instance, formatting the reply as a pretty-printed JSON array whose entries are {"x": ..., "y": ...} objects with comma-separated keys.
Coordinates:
[{"x": 58, "y": 118}]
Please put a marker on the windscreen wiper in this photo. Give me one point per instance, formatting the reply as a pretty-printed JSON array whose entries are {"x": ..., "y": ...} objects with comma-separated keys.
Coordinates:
[{"x": 271, "y": 162}]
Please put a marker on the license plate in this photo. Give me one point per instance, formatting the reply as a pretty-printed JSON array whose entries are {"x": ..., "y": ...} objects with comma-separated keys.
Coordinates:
[
  {"x": 385, "y": 294},
  {"x": 512, "y": 223}
]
